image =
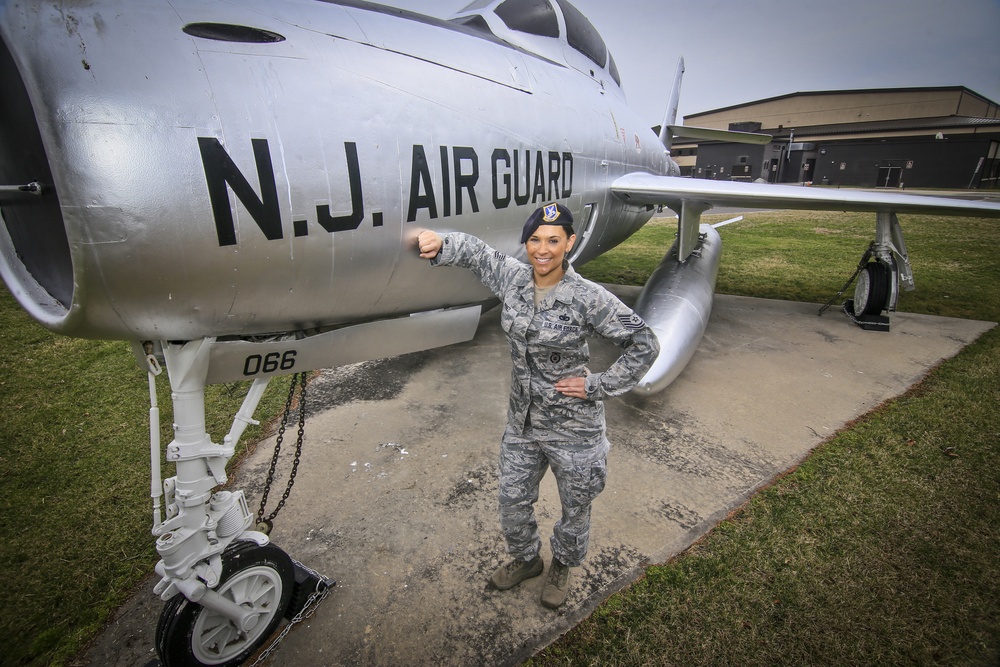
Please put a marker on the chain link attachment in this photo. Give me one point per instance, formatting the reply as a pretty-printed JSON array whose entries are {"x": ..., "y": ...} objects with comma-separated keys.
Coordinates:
[
  {"x": 323, "y": 588},
  {"x": 265, "y": 525}
]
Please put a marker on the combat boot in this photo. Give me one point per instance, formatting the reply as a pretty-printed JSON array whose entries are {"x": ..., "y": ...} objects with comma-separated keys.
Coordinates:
[
  {"x": 512, "y": 573},
  {"x": 556, "y": 586}
]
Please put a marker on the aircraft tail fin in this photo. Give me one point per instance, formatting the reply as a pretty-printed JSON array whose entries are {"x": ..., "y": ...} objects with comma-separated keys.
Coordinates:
[
  {"x": 670, "y": 116},
  {"x": 669, "y": 129}
]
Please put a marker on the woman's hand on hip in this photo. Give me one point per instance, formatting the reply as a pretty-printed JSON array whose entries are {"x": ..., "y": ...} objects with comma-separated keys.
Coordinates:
[{"x": 575, "y": 387}]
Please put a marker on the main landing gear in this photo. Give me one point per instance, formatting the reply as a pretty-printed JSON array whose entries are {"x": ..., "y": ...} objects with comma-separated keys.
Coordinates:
[
  {"x": 871, "y": 294},
  {"x": 883, "y": 268},
  {"x": 226, "y": 586}
]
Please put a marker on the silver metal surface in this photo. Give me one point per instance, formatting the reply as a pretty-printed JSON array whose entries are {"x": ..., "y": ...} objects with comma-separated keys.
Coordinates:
[
  {"x": 673, "y": 192},
  {"x": 676, "y": 303},
  {"x": 240, "y": 360},
  {"x": 219, "y": 169},
  {"x": 370, "y": 123}
]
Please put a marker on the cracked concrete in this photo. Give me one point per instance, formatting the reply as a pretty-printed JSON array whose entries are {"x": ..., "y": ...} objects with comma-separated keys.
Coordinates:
[{"x": 396, "y": 495}]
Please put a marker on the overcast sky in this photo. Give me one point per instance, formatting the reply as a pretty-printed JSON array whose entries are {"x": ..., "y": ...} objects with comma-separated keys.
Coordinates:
[{"x": 739, "y": 51}]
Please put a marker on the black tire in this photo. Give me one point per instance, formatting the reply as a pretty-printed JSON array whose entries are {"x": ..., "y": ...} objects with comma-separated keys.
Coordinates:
[
  {"x": 872, "y": 291},
  {"x": 188, "y": 634}
]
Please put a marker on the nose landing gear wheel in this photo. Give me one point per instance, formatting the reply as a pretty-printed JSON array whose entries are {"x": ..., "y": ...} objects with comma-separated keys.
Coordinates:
[{"x": 255, "y": 577}]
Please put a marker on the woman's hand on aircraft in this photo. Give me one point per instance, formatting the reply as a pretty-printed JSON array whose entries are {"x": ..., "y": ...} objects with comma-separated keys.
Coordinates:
[{"x": 429, "y": 244}]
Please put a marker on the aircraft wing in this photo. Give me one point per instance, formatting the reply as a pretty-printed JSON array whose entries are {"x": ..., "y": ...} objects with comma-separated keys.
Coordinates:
[
  {"x": 690, "y": 197},
  {"x": 676, "y": 192},
  {"x": 677, "y": 298}
]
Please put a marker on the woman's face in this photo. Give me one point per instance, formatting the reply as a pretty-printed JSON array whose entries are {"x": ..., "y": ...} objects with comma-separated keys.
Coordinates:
[{"x": 546, "y": 249}]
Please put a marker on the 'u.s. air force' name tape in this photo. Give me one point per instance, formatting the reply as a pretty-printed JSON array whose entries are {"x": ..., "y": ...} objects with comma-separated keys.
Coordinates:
[{"x": 556, "y": 326}]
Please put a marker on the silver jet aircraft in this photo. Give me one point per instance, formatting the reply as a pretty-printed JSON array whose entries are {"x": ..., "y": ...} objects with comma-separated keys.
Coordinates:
[{"x": 236, "y": 188}]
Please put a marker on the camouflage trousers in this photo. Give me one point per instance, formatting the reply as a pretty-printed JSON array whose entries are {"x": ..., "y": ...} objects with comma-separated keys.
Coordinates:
[{"x": 580, "y": 470}]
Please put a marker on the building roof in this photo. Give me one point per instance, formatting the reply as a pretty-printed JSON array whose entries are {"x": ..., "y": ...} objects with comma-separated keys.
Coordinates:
[
  {"x": 882, "y": 126},
  {"x": 818, "y": 93}
]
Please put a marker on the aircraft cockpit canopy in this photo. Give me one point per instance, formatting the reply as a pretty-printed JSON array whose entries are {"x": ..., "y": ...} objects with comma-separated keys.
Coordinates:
[{"x": 537, "y": 26}]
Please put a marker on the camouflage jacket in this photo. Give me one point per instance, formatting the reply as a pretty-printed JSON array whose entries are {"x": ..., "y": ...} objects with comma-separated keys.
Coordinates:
[{"x": 552, "y": 343}]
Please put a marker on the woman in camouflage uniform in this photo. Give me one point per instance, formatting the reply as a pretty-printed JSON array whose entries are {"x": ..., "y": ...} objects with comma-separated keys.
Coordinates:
[{"x": 555, "y": 417}]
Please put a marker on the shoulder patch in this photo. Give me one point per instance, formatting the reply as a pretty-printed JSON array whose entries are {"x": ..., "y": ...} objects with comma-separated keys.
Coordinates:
[
  {"x": 631, "y": 321},
  {"x": 499, "y": 255}
]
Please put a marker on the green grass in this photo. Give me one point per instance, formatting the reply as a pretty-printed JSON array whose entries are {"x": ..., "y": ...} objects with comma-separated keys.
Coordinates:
[
  {"x": 883, "y": 546},
  {"x": 75, "y": 512},
  {"x": 880, "y": 549}
]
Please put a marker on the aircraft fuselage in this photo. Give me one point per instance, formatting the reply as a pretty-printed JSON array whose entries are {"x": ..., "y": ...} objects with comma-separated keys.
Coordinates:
[{"x": 213, "y": 183}]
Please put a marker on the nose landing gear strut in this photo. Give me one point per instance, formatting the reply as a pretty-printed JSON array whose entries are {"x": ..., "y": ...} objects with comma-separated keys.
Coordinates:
[{"x": 226, "y": 587}]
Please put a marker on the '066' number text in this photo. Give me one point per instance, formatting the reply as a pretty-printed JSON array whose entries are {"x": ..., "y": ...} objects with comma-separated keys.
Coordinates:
[{"x": 269, "y": 363}]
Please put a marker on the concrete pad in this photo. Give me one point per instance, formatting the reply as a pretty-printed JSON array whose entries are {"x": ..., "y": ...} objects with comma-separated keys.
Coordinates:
[{"x": 395, "y": 498}]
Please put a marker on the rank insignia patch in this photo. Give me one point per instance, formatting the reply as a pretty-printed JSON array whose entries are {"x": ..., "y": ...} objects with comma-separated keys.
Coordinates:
[{"x": 632, "y": 321}]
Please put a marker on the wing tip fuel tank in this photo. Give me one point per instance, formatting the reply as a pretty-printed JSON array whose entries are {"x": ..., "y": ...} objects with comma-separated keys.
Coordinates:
[{"x": 676, "y": 303}]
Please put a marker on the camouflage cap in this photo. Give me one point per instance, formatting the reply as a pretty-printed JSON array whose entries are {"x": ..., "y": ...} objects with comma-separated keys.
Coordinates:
[{"x": 550, "y": 214}]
